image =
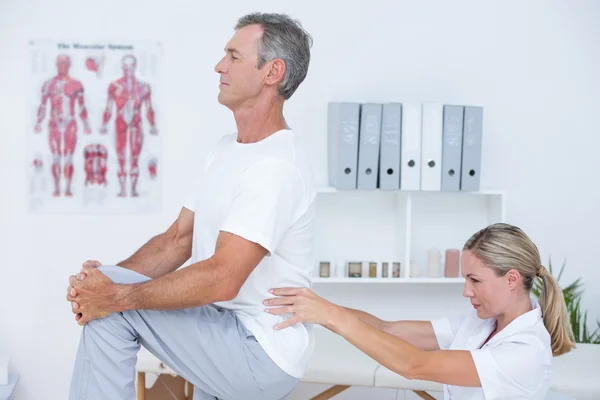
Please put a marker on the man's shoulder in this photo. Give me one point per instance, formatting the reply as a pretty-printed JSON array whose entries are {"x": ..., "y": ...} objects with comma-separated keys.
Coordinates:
[
  {"x": 222, "y": 141},
  {"x": 274, "y": 165},
  {"x": 218, "y": 146}
]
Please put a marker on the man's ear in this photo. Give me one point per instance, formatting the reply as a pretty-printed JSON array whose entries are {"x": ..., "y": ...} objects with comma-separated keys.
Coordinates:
[{"x": 275, "y": 71}]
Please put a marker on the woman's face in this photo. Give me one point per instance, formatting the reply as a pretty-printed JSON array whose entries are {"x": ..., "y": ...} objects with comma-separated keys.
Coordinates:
[{"x": 489, "y": 294}]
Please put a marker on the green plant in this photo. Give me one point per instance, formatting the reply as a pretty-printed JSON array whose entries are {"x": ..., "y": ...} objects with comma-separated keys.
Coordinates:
[{"x": 572, "y": 295}]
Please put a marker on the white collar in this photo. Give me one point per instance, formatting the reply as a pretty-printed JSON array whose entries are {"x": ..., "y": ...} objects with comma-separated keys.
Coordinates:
[{"x": 523, "y": 321}]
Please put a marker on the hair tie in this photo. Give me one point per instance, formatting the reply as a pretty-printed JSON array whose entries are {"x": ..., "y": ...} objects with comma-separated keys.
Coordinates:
[{"x": 542, "y": 271}]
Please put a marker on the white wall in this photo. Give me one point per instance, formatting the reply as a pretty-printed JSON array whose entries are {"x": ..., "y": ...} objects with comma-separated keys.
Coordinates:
[{"x": 533, "y": 65}]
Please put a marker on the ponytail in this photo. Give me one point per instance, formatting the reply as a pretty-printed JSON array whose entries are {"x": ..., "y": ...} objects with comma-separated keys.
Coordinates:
[{"x": 554, "y": 312}]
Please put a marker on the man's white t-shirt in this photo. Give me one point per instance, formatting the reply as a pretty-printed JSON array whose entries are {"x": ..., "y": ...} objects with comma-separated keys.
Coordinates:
[
  {"x": 514, "y": 364},
  {"x": 263, "y": 192}
]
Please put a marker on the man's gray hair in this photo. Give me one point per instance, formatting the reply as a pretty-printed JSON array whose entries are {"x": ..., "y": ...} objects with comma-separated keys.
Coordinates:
[{"x": 284, "y": 38}]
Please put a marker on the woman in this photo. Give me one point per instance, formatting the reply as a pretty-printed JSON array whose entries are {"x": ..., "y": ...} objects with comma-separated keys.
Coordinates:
[{"x": 502, "y": 350}]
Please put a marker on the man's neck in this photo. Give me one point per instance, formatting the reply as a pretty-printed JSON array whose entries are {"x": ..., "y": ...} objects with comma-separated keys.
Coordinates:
[{"x": 259, "y": 120}]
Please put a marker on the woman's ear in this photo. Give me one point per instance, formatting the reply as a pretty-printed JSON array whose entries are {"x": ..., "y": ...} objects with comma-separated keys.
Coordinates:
[{"x": 514, "y": 278}]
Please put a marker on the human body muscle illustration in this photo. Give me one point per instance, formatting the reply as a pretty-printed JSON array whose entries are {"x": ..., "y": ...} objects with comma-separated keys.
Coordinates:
[
  {"x": 62, "y": 92},
  {"x": 128, "y": 95}
]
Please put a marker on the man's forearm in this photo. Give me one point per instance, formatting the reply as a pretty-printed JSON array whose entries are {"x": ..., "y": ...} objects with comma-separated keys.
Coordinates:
[
  {"x": 199, "y": 284},
  {"x": 161, "y": 255}
]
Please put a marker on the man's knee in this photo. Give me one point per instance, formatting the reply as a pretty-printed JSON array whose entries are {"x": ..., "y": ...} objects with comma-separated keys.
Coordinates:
[{"x": 113, "y": 326}]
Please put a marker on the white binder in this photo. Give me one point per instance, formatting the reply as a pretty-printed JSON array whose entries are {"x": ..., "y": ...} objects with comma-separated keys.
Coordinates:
[
  {"x": 410, "y": 171},
  {"x": 431, "y": 146}
]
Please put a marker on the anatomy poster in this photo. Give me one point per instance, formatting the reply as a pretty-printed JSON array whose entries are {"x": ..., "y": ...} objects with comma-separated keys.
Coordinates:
[{"x": 94, "y": 139}]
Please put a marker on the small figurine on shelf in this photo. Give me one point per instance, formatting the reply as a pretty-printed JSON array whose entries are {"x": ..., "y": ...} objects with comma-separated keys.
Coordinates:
[
  {"x": 434, "y": 263},
  {"x": 451, "y": 268}
]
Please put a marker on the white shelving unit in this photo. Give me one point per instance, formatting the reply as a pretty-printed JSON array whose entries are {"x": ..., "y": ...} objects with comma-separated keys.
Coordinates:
[
  {"x": 398, "y": 226},
  {"x": 389, "y": 280}
]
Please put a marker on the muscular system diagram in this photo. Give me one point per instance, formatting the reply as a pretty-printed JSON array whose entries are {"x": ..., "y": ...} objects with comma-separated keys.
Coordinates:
[
  {"x": 62, "y": 94},
  {"x": 128, "y": 95},
  {"x": 93, "y": 143}
]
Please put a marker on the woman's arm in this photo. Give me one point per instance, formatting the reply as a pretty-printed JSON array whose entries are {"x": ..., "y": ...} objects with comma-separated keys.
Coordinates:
[
  {"x": 386, "y": 346},
  {"x": 417, "y": 333},
  {"x": 366, "y": 317},
  {"x": 453, "y": 367}
]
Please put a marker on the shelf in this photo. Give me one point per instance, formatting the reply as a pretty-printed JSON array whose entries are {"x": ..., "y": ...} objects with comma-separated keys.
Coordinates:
[
  {"x": 399, "y": 226},
  {"x": 483, "y": 192},
  {"x": 390, "y": 280}
]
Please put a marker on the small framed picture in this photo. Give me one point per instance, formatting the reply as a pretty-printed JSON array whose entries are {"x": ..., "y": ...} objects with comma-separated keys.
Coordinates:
[
  {"x": 372, "y": 270},
  {"x": 355, "y": 269},
  {"x": 396, "y": 270},
  {"x": 324, "y": 269}
]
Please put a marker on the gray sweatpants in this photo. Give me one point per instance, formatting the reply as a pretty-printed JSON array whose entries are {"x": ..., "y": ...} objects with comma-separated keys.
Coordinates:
[{"x": 208, "y": 346}]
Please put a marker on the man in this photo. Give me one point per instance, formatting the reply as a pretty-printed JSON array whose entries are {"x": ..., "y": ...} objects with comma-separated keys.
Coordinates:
[
  {"x": 128, "y": 94},
  {"x": 248, "y": 227},
  {"x": 62, "y": 92}
]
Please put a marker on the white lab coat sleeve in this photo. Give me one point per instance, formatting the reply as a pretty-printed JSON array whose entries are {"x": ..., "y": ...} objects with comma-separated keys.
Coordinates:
[
  {"x": 445, "y": 330},
  {"x": 512, "y": 370}
]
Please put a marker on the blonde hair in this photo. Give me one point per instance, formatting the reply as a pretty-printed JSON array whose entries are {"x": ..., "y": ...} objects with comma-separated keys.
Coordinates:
[{"x": 503, "y": 247}]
